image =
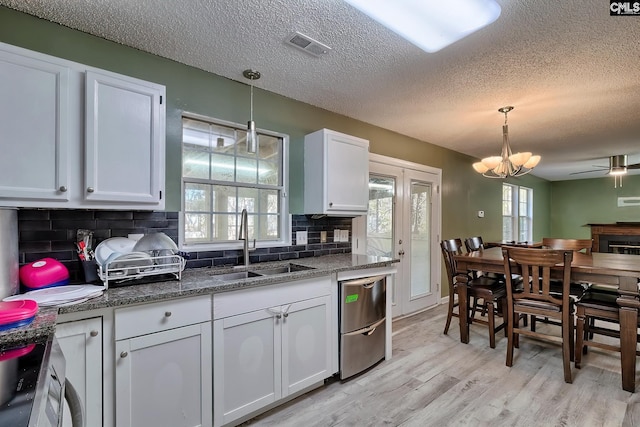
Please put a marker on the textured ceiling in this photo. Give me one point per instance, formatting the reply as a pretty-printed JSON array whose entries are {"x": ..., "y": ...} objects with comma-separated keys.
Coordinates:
[{"x": 571, "y": 70}]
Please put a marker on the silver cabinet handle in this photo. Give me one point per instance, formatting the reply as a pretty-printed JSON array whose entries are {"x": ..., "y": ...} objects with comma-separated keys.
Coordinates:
[
  {"x": 93, "y": 333},
  {"x": 90, "y": 190},
  {"x": 330, "y": 204},
  {"x": 63, "y": 189},
  {"x": 278, "y": 316},
  {"x": 285, "y": 312},
  {"x": 123, "y": 354},
  {"x": 167, "y": 314}
]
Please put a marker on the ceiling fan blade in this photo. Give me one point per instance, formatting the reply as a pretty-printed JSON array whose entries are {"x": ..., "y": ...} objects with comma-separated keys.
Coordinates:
[
  {"x": 595, "y": 170},
  {"x": 634, "y": 166}
]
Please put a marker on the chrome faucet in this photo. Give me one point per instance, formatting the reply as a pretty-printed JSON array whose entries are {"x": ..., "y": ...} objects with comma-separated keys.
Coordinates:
[{"x": 244, "y": 235}]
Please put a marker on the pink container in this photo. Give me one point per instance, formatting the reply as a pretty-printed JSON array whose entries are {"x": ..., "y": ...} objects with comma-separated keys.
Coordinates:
[
  {"x": 17, "y": 313},
  {"x": 44, "y": 273}
]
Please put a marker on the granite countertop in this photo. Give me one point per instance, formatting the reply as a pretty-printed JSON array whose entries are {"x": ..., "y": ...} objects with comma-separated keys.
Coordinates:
[{"x": 197, "y": 281}]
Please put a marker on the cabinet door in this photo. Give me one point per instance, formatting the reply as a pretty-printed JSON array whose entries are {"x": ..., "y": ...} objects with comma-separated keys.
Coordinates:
[
  {"x": 164, "y": 379},
  {"x": 81, "y": 344},
  {"x": 247, "y": 371},
  {"x": 124, "y": 151},
  {"x": 306, "y": 344},
  {"x": 347, "y": 174},
  {"x": 34, "y": 139}
]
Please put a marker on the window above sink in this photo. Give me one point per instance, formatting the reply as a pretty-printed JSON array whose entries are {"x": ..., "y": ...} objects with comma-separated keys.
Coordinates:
[{"x": 220, "y": 179}]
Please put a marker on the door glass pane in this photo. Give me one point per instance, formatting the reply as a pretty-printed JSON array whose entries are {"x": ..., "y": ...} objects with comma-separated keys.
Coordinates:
[
  {"x": 380, "y": 216},
  {"x": 420, "y": 238}
]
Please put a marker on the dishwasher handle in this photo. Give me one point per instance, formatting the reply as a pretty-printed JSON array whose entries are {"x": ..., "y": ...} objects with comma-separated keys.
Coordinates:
[
  {"x": 368, "y": 330},
  {"x": 366, "y": 282}
]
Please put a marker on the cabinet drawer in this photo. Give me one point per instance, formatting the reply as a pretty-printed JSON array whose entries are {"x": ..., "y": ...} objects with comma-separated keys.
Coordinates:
[
  {"x": 242, "y": 301},
  {"x": 161, "y": 316}
]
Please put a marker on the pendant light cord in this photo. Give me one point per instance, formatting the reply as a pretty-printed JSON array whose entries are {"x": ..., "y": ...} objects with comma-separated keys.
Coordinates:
[{"x": 251, "y": 110}]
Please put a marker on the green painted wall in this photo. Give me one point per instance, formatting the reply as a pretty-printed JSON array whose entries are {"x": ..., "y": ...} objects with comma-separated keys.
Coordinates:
[
  {"x": 189, "y": 89},
  {"x": 591, "y": 201}
]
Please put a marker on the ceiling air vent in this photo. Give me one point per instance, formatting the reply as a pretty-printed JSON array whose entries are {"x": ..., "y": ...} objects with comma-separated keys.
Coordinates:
[{"x": 306, "y": 43}]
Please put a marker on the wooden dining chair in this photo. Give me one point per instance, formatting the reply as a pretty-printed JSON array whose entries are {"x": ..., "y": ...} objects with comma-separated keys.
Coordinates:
[
  {"x": 601, "y": 306},
  {"x": 476, "y": 244},
  {"x": 490, "y": 291},
  {"x": 576, "y": 289},
  {"x": 578, "y": 245},
  {"x": 535, "y": 297}
]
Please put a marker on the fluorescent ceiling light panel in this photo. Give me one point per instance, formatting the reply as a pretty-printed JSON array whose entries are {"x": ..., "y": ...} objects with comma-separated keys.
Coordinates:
[{"x": 431, "y": 24}]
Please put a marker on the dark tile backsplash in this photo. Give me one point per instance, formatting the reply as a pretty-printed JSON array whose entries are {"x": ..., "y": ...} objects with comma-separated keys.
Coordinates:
[{"x": 52, "y": 233}]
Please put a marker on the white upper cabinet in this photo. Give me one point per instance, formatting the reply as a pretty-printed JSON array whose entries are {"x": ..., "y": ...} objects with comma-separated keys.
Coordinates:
[
  {"x": 124, "y": 138},
  {"x": 34, "y": 129},
  {"x": 72, "y": 136},
  {"x": 336, "y": 174}
]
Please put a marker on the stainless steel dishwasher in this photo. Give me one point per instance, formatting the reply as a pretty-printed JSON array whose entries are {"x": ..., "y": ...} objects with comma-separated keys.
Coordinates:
[{"x": 362, "y": 323}]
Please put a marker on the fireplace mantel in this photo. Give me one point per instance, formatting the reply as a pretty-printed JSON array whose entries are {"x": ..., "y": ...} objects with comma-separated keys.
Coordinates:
[{"x": 622, "y": 231}]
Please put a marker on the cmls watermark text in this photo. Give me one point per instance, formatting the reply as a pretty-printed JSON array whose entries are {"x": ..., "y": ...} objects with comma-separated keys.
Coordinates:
[{"x": 621, "y": 8}]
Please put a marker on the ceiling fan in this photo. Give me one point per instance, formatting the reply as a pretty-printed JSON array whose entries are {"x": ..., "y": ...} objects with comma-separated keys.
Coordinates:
[{"x": 618, "y": 167}]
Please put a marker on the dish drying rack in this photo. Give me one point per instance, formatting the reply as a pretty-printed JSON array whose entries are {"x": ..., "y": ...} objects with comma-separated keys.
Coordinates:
[{"x": 135, "y": 268}]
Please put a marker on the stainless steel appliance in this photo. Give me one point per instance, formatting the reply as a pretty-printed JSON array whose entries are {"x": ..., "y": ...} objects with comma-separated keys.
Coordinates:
[
  {"x": 33, "y": 388},
  {"x": 362, "y": 323}
]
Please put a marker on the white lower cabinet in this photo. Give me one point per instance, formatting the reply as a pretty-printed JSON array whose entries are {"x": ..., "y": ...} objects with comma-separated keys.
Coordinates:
[
  {"x": 81, "y": 344},
  {"x": 269, "y": 343},
  {"x": 163, "y": 364}
]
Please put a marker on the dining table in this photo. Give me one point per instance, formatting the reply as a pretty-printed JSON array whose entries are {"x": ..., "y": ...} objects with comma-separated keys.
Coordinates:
[{"x": 619, "y": 271}]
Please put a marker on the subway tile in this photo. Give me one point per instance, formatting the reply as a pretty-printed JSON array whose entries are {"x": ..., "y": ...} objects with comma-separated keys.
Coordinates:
[
  {"x": 225, "y": 261},
  {"x": 63, "y": 246},
  {"x": 149, "y": 215},
  {"x": 199, "y": 263},
  {"x": 71, "y": 214},
  {"x": 34, "y": 225},
  {"x": 209, "y": 254},
  {"x": 40, "y": 235},
  {"x": 151, "y": 224},
  {"x": 38, "y": 246},
  {"x": 115, "y": 224},
  {"x": 89, "y": 224},
  {"x": 108, "y": 215},
  {"x": 33, "y": 214},
  {"x": 267, "y": 257}
]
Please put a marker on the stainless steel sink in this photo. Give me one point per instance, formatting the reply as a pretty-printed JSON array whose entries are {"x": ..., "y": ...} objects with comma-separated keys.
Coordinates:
[
  {"x": 290, "y": 268},
  {"x": 236, "y": 275}
]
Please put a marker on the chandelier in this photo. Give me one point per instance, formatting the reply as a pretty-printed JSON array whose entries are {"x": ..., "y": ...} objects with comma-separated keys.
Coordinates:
[{"x": 506, "y": 164}]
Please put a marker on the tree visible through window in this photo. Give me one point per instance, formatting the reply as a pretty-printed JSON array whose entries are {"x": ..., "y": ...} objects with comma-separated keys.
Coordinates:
[
  {"x": 517, "y": 213},
  {"x": 220, "y": 179}
]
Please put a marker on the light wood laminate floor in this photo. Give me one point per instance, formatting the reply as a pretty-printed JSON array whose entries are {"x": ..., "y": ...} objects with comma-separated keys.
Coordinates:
[{"x": 434, "y": 380}]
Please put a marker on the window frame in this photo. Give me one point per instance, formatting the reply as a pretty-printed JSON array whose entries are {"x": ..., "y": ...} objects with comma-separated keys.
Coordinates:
[
  {"x": 285, "y": 216},
  {"x": 516, "y": 216}
]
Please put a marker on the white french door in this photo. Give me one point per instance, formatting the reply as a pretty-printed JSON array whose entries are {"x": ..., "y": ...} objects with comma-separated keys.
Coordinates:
[{"x": 403, "y": 221}]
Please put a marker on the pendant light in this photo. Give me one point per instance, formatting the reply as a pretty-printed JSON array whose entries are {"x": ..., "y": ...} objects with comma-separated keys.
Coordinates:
[
  {"x": 252, "y": 136},
  {"x": 506, "y": 164}
]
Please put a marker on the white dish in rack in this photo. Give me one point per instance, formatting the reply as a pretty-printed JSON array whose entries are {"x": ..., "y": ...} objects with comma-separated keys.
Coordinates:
[{"x": 107, "y": 247}]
